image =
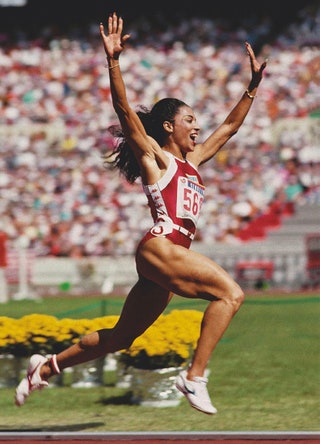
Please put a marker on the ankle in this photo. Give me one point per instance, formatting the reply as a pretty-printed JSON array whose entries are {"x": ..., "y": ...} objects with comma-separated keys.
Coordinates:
[
  {"x": 45, "y": 371},
  {"x": 194, "y": 372},
  {"x": 49, "y": 368}
]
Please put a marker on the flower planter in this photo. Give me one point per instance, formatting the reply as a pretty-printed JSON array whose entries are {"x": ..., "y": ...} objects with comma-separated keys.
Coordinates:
[
  {"x": 154, "y": 388},
  {"x": 13, "y": 369},
  {"x": 88, "y": 374},
  {"x": 165, "y": 345},
  {"x": 10, "y": 370}
]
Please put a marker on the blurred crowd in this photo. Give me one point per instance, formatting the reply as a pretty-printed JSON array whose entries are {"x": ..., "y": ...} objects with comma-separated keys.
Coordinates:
[{"x": 58, "y": 198}]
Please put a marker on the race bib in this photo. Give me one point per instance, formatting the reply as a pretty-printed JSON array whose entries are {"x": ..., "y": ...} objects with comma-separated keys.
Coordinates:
[{"x": 189, "y": 199}]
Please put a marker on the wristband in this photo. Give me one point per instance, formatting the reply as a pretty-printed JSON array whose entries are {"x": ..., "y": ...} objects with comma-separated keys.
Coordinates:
[{"x": 249, "y": 95}]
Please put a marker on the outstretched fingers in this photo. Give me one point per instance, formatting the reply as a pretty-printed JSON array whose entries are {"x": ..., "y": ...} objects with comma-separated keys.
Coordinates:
[
  {"x": 255, "y": 65},
  {"x": 118, "y": 28},
  {"x": 114, "y": 28},
  {"x": 263, "y": 65},
  {"x": 110, "y": 23},
  {"x": 102, "y": 30},
  {"x": 112, "y": 37},
  {"x": 120, "y": 25},
  {"x": 115, "y": 24},
  {"x": 249, "y": 49}
]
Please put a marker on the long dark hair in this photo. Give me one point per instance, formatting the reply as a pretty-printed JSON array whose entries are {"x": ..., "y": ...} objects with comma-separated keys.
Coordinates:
[{"x": 122, "y": 156}]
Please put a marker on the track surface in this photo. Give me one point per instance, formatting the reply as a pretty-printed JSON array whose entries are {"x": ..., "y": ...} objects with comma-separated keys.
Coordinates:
[{"x": 163, "y": 438}]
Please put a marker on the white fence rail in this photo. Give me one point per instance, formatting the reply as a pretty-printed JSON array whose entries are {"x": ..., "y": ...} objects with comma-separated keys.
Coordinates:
[{"x": 102, "y": 274}]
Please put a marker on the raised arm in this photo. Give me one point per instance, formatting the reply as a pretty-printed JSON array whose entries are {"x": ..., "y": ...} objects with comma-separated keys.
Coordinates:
[
  {"x": 236, "y": 117},
  {"x": 132, "y": 127}
]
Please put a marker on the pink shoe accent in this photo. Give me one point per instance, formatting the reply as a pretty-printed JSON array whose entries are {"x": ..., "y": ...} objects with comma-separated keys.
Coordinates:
[
  {"x": 32, "y": 381},
  {"x": 54, "y": 364}
]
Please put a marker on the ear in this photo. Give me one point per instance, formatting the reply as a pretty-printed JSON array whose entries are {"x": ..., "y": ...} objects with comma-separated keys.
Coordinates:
[{"x": 167, "y": 126}]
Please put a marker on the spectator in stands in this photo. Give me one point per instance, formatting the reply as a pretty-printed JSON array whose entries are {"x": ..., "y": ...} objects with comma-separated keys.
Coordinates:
[
  {"x": 4, "y": 296},
  {"x": 159, "y": 146},
  {"x": 70, "y": 101}
]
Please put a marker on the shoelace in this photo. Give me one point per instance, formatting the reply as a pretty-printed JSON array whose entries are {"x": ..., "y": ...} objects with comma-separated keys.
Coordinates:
[{"x": 35, "y": 385}]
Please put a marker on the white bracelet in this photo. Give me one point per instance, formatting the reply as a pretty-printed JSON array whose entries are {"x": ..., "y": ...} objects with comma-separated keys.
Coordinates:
[
  {"x": 249, "y": 95},
  {"x": 114, "y": 66}
]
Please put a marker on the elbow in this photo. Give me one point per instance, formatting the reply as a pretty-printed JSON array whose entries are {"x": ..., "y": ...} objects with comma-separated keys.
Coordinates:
[
  {"x": 234, "y": 132},
  {"x": 233, "y": 127}
]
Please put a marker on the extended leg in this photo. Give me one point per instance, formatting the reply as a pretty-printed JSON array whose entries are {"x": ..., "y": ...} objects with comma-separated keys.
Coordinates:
[{"x": 143, "y": 305}]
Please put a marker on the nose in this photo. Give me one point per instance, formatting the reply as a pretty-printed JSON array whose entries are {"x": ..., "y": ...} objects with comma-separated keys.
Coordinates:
[{"x": 196, "y": 125}]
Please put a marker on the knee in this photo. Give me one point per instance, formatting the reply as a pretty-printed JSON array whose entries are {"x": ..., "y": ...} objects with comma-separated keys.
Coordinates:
[
  {"x": 236, "y": 297},
  {"x": 88, "y": 341},
  {"x": 106, "y": 340}
]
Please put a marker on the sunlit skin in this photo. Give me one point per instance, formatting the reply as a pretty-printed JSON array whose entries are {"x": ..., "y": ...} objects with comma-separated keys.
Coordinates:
[
  {"x": 184, "y": 131},
  {"x": 165, "y": 268}
]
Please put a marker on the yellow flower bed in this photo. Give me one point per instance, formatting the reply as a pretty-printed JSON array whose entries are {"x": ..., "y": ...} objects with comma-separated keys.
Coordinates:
[{"x": 169, "y": 341}]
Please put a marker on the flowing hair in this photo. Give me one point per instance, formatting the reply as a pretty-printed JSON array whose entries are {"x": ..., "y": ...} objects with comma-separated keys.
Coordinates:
[{"x": 122, "y": 156}]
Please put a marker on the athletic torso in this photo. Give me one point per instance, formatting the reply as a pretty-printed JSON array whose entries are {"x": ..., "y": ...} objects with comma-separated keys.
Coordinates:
[{"x": 175, "y": 202}]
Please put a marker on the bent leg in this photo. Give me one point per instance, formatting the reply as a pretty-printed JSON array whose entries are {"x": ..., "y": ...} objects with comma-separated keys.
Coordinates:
[
  {"x": 215, "y": 322},
  {"x": 193, "y": 275},
  {"x": 143, "y": 305}
]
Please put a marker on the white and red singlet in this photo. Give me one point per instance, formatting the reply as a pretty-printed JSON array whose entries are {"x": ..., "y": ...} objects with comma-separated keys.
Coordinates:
[{"x": 175, "y": 202}]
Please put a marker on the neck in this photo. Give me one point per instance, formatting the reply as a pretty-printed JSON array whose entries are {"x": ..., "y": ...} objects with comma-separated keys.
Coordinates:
[{"x": 175, "y": 152}]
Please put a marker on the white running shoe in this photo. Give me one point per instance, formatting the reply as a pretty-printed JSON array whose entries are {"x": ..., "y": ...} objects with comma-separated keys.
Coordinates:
[
  {"x": 32, "y": 381},
  {"x": 196, "y": 392}
]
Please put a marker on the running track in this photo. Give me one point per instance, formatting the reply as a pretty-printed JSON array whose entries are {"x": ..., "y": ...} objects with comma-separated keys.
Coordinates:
[{"x": 163, "y": 438}]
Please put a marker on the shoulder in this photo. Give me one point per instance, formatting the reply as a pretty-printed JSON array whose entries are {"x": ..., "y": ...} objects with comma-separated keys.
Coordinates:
[{"x": 154, "y": 163}]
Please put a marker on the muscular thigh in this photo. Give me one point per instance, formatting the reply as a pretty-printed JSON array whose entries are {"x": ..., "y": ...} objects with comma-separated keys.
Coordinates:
[{"x": 182, "y": 271}]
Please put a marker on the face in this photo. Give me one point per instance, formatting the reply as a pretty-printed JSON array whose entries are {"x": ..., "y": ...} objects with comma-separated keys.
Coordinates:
[{"x": 185, "y": 129}]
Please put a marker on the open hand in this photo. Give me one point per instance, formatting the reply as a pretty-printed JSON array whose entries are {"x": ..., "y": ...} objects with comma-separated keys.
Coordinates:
[
  {"x": 256, "y": 67},
  {"x": 114, "y": 41}
]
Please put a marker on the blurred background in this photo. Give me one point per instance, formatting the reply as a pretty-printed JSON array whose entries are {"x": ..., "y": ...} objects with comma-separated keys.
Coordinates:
[{"x": 68, "y": 224}]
